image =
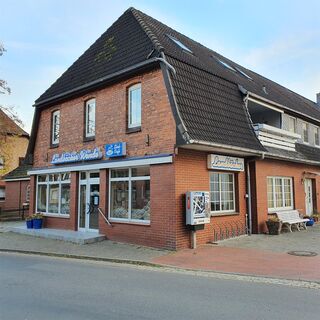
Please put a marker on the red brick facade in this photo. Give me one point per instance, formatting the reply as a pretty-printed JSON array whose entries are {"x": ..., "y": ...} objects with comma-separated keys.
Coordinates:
[{"x": 16, "y": 194}]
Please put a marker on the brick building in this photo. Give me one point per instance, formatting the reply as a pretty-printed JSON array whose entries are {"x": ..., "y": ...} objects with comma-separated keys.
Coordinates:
[{"x": 147, "y": 114}]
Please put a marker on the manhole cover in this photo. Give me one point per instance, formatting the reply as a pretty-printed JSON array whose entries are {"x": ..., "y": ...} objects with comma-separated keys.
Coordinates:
[{"x": 303, "y": 253}]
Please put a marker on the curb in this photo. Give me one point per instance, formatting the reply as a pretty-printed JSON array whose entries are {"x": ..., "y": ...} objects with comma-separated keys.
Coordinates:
[{"x": 208, "y": 273}]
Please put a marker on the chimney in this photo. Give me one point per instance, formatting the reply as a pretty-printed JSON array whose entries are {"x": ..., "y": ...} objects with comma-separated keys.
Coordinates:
[{"x": 318, "y": 99}]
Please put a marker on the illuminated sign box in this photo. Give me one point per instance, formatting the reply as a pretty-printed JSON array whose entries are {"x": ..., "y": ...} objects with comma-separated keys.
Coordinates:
[
  {"x": 118, "y": 149},
  {"x": 219, "y": 162}
]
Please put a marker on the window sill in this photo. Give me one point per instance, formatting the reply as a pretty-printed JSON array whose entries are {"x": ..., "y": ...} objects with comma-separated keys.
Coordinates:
[
  {"x": 88, "y": 139},
  {"x": 273, "y": 211},
  {"x": 222, "y": 214},
  {"x": 138, "y": 223},
  {"x": 132, "y": 130},
  {"x": 53, "y": 146},
  {"x": 51, "y": 215}
]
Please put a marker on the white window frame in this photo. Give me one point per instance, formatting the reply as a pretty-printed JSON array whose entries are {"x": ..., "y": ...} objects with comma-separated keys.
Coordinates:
[
  {"x": 295, "y": 124},
  {"x": 47, "y": 183},
  {"x": 129, "y": 179},
  {"x": 302, "y": 129},
  {"x": 130, "y": 89},
  {"x": 90, "y": 103},
  {"x": 4, "y": 192},
  {"x": 274, "y": 208},
  {"x": 220, "y": 202},
  {"x": 55, "y": 127}
]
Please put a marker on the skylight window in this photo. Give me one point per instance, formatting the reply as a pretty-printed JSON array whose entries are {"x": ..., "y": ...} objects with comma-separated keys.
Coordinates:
[
  {"x": 243, "y": 73},
  {"x": 226, "y": 65},
  {"x": 179, "y": 43}
]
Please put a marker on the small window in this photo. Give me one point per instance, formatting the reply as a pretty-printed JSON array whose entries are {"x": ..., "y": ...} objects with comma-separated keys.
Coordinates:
[
  {"x": 179, "y": 43},
  {"x": 90, "y": 121},
  {"x": 1, "y": 163},
  {"x": 2, "y": 193},
  {"x": 243, "y": 73},
  {"x": 316, "y": 136},
  {"x": 292, "y": 124},
  {"x": 55, "y": 127},
  {"x": 134, "y": 106},
  {"x": 28, "y": 193},
  {"x": 225, "y": 64},
  {"x": 305, "y": 133}
]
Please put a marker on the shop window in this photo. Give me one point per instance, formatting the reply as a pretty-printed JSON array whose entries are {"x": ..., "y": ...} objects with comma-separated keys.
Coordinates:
[
  {"x": 90, "y": 118},
  {"x": 130, "y": 194},
  {"x": 53, "y": 194},
  {"x": 2, "y": 193},
  {"x": 222, "y": 192},
  {"x": 134, "y": 106},
  {"x": 55, "y": 127},
  {"x": 280, "y": 193}
]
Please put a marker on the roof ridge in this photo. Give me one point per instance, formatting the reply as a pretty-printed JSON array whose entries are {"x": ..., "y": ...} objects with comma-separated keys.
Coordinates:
[{"x": 137, "y": 14}]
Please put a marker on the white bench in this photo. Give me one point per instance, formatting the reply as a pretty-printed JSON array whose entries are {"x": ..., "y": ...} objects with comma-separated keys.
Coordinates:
[{"x": 291, "y": 218}]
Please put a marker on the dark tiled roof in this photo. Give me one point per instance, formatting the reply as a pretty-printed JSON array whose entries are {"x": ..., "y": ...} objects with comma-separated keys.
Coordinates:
[
  {"x": 303, "y": 153},
  {"x": 8, "y": 126},
  {"x": 207, "y": 94},
  {"x": 19, "y": 172}
]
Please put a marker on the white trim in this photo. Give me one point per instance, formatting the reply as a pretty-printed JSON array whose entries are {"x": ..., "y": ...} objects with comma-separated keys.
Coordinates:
[
  {"x": 54, "y": 215},
  {"x": 91, "y": 102},
  {"x": 104, "y": 165},
  {"x": 265, "y": 104},
  {"x": 17, "y": 179},
  {"x": 130, "y": 89}
]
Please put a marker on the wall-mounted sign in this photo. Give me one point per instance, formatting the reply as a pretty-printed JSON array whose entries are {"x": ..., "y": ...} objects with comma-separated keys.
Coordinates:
[
  {"x": 117, "y": 149},
  {"x": 219, "y": 162},
  {"x": 83, "y": 155}
]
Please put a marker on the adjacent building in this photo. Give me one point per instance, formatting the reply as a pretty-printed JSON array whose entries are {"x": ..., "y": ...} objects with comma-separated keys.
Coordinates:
[
  {"x": 13, "y": 146},
  {"x": 147, "y": 114}
]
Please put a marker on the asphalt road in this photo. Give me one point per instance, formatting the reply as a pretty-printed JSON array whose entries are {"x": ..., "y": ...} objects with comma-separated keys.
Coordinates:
[{"x": 45, "y": 288}]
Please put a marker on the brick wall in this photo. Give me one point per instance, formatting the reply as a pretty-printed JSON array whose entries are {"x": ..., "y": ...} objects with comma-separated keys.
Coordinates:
[
  {"x": 111, "y": 119},
  {"x": 265, "y": 168},
  {"x": 191, "y": 174},
  {"x": 16, "y": 192}
]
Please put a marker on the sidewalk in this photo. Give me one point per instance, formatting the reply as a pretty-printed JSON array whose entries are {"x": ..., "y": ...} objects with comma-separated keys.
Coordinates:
[{"x": 258, "y": 255}]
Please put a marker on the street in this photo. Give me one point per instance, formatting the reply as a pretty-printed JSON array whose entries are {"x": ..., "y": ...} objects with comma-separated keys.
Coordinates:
[{"x": 35, "y": 287}]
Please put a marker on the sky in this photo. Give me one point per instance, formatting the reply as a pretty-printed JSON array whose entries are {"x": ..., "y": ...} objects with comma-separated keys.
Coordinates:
[{"x": 279, "y": 39}]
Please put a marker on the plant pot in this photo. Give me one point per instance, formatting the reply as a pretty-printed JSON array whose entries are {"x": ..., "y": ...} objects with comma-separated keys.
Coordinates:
[
  {"x": 310, "y": 223},
  {"x": 37, "y": 223},
  {"x": 29, "y": 224},
  {"x": 274, "y": 227}
]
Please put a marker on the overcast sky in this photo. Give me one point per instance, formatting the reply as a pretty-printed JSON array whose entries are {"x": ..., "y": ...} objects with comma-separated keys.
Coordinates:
[{"x": 276, "y": 38}]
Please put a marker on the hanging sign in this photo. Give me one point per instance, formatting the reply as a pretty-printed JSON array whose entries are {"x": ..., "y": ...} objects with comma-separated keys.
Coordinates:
[
  {"x": 83, "y": 155},
  {"x": 220, "y": 162},
  {"x": 117, "y": 149}
]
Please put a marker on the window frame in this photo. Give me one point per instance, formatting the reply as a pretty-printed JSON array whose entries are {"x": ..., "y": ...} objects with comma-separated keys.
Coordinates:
[
  {"x": 129, "y": 179},
  {"x": 87, "y": 134},
  {"x": 133, "y": 126},
  {"x": 54, "y": 125},
  {"x": 47, "y": 183},
  {"x": 307, "y": 130},
  {"x": 316, "y": 132},
  {"x": 221, "y": 212},
  {"x": 294, "y": 122},
  {"x": 283, "y": 208}
]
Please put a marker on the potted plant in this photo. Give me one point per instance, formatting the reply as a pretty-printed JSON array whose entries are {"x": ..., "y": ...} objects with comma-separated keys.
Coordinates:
[
  {"x": 274, "y": 225},
  {"x": 29, "y": 222},
  {"x": 309, "y": 223},
  {"x": 37, "y": 221}
]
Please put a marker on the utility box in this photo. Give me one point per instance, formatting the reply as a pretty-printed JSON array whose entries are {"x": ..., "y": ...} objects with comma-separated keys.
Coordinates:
[{"x": 197, "y": 207}]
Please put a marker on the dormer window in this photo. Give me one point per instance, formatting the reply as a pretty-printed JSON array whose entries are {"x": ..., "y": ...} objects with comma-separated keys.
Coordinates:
[
  {"x": 316, "y": 136},
  {"x": 305, "y": 134},
  {"x": 134, "y": 106},
  {"x": 179, "y": 43},
  {"x": 90, "y": 118},
  {"x": 55, "y": 136},
  {"x": 292, "y": 124}
]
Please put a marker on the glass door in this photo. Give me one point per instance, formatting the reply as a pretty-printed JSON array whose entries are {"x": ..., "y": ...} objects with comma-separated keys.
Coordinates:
[{"x": 88, "y": 219}]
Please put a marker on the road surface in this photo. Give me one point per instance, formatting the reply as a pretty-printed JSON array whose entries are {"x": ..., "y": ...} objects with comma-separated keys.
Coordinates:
[{"x": 35, "y": 287}]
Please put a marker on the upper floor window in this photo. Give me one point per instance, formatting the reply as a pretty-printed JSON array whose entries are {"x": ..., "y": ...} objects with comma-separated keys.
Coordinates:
[
  {"x": 316, "y": 136},
  {"x": 134, "y": 106},
  {"x": 292, "y": 124},
  {"x": 90, "y": 115},
  {"x": 55, "y": 127},
  {"x": 305, "y": 134}
]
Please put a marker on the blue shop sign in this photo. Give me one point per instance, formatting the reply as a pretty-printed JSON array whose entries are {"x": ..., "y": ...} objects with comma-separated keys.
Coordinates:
[
  {"x": 117, "y": 149},
  {"x": 83, "y": 155}
]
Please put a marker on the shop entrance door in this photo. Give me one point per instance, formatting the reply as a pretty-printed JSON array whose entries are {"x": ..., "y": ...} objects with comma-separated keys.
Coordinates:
[
  {"x": 309, "y": 196},
  {"x": 88, "y": 217}
]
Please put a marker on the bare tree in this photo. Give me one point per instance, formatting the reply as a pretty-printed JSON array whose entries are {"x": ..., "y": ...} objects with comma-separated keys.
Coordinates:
[{"x": 3, "y": 84}]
